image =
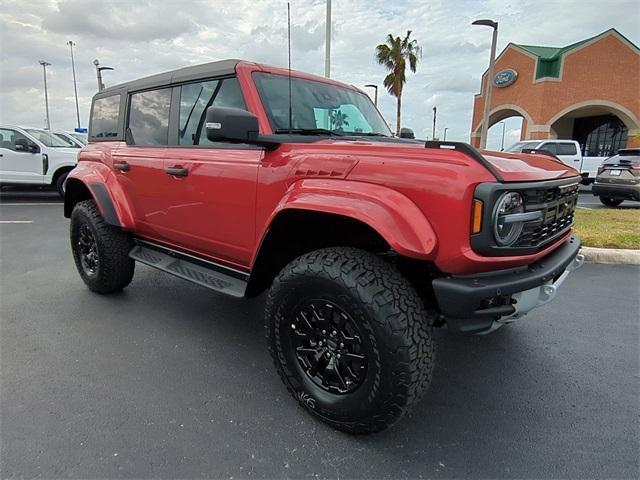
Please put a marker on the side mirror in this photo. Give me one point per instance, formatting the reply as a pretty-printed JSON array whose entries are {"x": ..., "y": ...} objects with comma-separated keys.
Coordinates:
[
  {"x": 22, "y": 145},
  {"x": 406, "y": 133},
  {"x": 226, "y": 124}
]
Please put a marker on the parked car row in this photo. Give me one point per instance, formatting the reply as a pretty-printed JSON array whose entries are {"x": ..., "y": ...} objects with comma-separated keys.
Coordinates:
[{"x": 33, "y": 156}]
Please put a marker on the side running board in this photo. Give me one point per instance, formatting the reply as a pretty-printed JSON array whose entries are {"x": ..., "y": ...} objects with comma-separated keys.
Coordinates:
[{"x": 202, "y": 272}]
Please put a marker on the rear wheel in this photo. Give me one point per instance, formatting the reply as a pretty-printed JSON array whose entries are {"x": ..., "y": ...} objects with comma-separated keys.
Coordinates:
[
  {"x": 610, "y": 202},
  {"x": 100, "y": 250},
  {"x": 350, "y": 338}
]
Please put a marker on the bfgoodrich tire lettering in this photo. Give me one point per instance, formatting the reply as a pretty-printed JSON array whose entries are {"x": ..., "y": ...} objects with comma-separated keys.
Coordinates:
[
  {"x": 393, "y": 323},
  {"x": 100, "y": 251}
]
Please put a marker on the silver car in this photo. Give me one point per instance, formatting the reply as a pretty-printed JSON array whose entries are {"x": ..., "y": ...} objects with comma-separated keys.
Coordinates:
[{"x": 619, "y": 178}]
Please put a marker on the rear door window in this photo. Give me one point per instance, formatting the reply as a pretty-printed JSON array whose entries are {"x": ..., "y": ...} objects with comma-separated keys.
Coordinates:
[
  {"x": 195, "y": 98},
  {"x": 104, "y": 117},
  {"x": 149, "y": 117},
  {"x": 567, "y": 149}
]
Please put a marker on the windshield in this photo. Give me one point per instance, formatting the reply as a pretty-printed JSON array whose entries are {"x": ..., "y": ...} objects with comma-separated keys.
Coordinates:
[
  {"x": 81, "y": 137},
  {"x": 519, "y": 146},
  {"x": 317, "y": 105},
  {"x": 47, "y": 138},
  {"x": 67, "y": 140},
  {"x": 625, "y": 156}
]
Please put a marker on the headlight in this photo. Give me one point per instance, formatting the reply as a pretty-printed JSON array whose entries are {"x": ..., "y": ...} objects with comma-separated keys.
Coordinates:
[{"x": 507, "y": 224}]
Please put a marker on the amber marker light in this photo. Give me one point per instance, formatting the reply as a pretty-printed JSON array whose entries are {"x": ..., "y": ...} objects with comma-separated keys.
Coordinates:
[{"x": 476, "y": 216}]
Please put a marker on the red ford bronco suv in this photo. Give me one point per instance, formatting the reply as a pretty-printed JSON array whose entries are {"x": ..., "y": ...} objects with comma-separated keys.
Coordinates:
[{"x": 243, "y": 178}]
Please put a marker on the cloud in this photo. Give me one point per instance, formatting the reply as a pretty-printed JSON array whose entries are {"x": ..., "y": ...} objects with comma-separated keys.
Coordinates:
[
  {"x": 139, "y": 21},
  {"x": 146, "y": 37}
]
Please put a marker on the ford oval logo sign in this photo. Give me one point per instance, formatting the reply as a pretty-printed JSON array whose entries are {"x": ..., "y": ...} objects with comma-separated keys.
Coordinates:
[{"x": 505, "y": 77}]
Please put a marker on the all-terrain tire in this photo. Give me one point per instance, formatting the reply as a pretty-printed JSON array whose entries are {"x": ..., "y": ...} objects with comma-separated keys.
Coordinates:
[
  {"x": 108, "y": 267},
  {"x": 383, "y": 306},
  {"x": 610, "y": 202}
]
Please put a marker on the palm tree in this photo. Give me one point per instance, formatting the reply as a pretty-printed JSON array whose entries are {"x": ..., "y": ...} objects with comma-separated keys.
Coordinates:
[{"x": 394, "y": 55}]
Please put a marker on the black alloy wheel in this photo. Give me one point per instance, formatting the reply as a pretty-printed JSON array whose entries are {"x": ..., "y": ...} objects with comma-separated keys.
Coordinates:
[
  {"x": 328, "y": 346},
  {"x": 88, "y": 249}
]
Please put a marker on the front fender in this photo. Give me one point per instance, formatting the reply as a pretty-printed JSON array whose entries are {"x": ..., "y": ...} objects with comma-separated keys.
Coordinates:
[
  {"x": 393, "y": 215},
  {"x": 106, "y": 191}
]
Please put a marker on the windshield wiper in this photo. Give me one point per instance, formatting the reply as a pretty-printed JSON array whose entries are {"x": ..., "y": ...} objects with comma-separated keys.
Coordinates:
[
  {"x": 309, "y": 131},
  {"x": 368, "y": 134}
]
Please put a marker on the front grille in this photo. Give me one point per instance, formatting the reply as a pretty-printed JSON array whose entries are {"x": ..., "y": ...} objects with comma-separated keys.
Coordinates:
[
  {"x": 535, "y": 198},
  {"x": 558, "y": 206}
]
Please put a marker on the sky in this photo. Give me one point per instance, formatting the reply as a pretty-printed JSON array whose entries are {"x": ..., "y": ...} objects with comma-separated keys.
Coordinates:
[{"x": 139, "y": 38}]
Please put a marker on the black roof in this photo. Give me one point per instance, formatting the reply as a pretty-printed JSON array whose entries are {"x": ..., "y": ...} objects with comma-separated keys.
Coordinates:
[{"x": 185, "y": 74}]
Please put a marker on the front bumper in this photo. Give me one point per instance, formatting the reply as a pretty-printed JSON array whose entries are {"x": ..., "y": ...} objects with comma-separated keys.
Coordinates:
[
  {"x": 483, "y": 302},
  {"x": 617, "y": 191}
]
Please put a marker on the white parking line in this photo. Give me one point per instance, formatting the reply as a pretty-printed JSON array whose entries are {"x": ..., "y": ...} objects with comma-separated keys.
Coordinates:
[
  {"x": 2, "y": 204},
  {"x": 16, "y": 221}
]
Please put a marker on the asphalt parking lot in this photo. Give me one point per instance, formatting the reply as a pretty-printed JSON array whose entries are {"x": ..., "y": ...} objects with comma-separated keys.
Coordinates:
[{"x": 168, "y": 380}]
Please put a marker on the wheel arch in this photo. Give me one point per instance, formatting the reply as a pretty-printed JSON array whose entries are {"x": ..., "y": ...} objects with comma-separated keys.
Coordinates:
[
  {"x": 96, "y": 182},
  {"x": 317, "y": 214},
  {"x": 59, "y": 171},
  {"x": 295, "y": 232}
]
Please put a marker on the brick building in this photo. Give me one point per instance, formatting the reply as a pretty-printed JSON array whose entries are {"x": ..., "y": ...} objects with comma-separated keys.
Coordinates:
[{"x": 588, "y": 91}]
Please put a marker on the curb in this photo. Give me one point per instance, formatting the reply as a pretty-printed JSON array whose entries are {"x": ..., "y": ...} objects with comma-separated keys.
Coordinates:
[{"x": 612, "y": 256}]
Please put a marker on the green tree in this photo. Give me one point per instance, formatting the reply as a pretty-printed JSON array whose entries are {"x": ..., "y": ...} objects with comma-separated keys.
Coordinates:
[{"x": 394, "y": 55}]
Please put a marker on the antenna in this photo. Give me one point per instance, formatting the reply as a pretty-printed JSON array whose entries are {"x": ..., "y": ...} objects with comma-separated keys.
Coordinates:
[{"x": 289, "y": 40}]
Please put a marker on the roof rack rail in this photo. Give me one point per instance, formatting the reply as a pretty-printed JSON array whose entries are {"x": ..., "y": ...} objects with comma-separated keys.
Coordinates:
[{"x": 468, "y": 150}]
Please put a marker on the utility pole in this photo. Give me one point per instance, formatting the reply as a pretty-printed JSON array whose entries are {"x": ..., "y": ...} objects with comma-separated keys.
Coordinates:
[
  {"x": 75, "y": 86},
  {"x": 435, "y": 112},
  {"x": 46, "y": 93},
  {"x": 502, "y": 141},
  {"x": 489, "y": 84},
  {"x": 445, "y": 134},
  {"x": 327, "y": 50}
]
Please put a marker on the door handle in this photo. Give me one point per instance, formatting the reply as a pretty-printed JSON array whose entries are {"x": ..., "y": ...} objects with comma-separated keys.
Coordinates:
[
  {"x": 122, "y": 166},
  {"x": 176, "y": 171}
]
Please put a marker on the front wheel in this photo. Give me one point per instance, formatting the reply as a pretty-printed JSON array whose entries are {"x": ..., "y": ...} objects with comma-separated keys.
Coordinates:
[
  {"x": 350, "y": 338},
  {"x": 60, "y": 183},
  {"x": 610, "y": 202},
  {"x": 100, "y": 251}
]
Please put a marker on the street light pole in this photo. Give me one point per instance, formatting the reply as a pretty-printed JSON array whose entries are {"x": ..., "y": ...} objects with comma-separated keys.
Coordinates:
[
  {"x": 375, "y": 87},
  {"x": 489, "y": 84},
  {"x": 502, "y": 141},
  {"x": 99, "y": 70},
  {"x": 433, "y": 134},
  {"x": 46, "y": 93},
  {"x": 445, "y": 134},
  {"x": 327, "y": 51},
  {"x": 75, "y": 85}
]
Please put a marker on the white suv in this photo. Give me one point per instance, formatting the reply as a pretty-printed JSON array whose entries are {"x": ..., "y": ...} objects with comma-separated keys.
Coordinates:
[{"x": 31, "y": 156}]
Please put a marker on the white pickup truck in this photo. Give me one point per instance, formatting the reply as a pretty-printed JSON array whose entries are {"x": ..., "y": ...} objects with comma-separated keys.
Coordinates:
[
  {"x": 566, "y": 150},
  {"x": 31, "y": 156}
]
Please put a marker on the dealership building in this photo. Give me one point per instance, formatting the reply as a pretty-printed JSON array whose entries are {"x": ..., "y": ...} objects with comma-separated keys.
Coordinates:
[{"x": 588, "y": 91}]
